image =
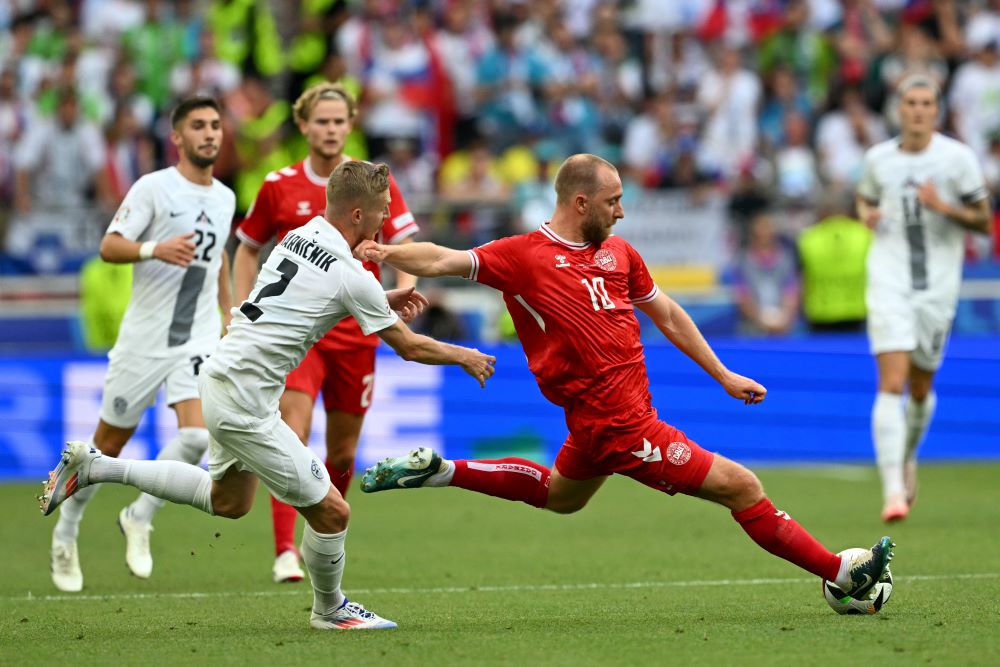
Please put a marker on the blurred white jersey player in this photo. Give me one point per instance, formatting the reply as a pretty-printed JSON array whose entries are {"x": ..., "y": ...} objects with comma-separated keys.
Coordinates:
[
  {"x": 309, "y": 283},
  {"x": 921, "y": 192},
  {"x": 173, "y": 224}
]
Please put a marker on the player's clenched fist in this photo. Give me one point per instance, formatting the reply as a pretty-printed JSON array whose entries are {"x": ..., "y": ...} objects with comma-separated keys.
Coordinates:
[
  {"x": 369, "y": 251},
  {"x": 479, "y": 365},
  {"x": 178, "y": 250}
]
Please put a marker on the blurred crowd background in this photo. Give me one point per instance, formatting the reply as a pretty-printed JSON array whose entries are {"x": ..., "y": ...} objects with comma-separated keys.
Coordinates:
[{"x": 738, "y": 126}]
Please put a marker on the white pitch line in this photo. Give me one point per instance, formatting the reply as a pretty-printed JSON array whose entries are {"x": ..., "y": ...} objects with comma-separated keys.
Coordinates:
[{"x": 515, "y": 588}]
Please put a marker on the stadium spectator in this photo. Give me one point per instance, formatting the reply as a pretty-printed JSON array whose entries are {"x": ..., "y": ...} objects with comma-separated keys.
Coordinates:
[
  {"x": 129, "y": 153},
  {"x": 843, "y": 134},
  {"x": 974, "y": 99},
  {"x": 796, "y": 173},
  {"x": 582, "y": 344},
  {"x": 784, "y": 96},
  {"x": 766, "y": 281},
  {"x": 917, "y": 54},
  {"x": 205, "y": 74},
  {"x": 728, "y": 95}
]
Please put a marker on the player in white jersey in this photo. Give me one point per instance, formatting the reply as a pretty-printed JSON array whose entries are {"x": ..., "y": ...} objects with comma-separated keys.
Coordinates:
[
  {"x": 310, "y": 282},
  {"x": 921, "y": 192},
  {"x": 173, "y": 224}
]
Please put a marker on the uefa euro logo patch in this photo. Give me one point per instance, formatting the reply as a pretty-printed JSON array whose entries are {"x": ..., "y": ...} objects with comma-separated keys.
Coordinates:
[{"x": 317, "y": 471}]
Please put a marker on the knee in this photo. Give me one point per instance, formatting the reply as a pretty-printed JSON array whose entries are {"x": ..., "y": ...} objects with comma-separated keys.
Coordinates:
[
  {"x": 740, "y": 489},
  {"x": 334, "y": 514},
  {"x": 920, "y": 391},
  {"x": 231, "y": 508},
  {"x": 566, "y": 505},
  {"x": 340, "y": 460}
]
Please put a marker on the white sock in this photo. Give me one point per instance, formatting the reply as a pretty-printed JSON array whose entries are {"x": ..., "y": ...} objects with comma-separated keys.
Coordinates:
[
  {"x": 889, "y": 434},
  {"x": 71, "y": 513},
  {"x": 324, "y": 557},
  {"x": 918, "y": 418},
  {"x": 843, "y": 579},
  {"x": 177, "y": 482},
  {"x": 189, "y": 446},
  {"x": 443, "y": 476}
]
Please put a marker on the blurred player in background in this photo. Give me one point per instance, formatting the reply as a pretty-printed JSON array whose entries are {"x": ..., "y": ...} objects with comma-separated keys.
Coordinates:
[
  {"x": 173, "y": 224},
  {"x": 921, "y": 192},
  {"x": 308, "y": 284},
  {"x": 571, "y": 288},
  {"x": 342, "y": 363}
]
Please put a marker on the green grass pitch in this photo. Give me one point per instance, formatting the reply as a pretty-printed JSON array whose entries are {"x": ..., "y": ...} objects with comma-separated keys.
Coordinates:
[{"x": 637, "y": 578}]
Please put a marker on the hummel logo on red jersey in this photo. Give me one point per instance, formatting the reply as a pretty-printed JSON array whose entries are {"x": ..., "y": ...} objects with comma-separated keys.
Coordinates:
[
  {"x": 561, "y": 261},
  {"x": 304, "y": 208}
]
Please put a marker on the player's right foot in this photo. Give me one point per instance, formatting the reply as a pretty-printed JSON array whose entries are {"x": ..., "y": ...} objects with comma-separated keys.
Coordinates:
[
  {"x": 402, "y": 472},
  {"x": 867, "y": 568},
  {"x": 71, "y": 475},
  {"x": 65, "y": 565},
  {"x": 350, "y": 616},
  {"x": 286, "y": 568},
  {"x": 137, "y": 556},
  {"x": 895, "y": 509}
]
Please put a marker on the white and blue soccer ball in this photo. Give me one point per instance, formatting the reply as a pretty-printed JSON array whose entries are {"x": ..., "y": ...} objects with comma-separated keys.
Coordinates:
[{"x": 842, "y": 603}]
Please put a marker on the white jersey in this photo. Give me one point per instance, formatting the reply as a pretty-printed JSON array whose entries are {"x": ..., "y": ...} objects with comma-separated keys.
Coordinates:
[
  {"x": 174, "y": 308},
  {"x": 918, "y": 252},
  {"x": 310, "y": 282}
]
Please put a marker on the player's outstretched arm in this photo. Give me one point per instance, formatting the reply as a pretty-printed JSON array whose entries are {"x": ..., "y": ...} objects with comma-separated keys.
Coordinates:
[
  {"x": 425, "y": 350},
  {"x": 419, "y": 259},
  {"x": 117, "y": 249},
  {"x": 681, "y": 330}
]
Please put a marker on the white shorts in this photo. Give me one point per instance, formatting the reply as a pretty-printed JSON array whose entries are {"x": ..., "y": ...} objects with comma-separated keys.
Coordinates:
[
  {"x": 132, "y": 382},
  {"x": 914, "y": 323},
  {"x": 265, "y": 446}
]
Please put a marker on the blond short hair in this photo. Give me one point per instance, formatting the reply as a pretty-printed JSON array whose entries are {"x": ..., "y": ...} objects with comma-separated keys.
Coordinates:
[
  {"x": 357, "y": 184},
  {"x": 919, "y": 81},
  {"x": 313, "y": 95},
  {"x": 579, "y": 173}
]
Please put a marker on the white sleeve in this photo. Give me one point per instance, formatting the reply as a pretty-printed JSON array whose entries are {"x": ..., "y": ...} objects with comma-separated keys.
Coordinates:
[
  {"x": 365, "y": 299},
  {"x": 136, "y": 212},
  {"x": 868, "y": 187},
  {"x": 971, "y": 184}
]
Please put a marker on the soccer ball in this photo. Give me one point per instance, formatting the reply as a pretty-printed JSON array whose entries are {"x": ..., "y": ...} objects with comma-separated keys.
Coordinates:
[{"x": 842, "y": 603}]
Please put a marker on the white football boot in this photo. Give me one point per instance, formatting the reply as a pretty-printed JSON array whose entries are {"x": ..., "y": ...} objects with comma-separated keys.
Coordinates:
[
  {"x": 350, "y": 616},
  {"x": 137, "y": 556},
  {"x": 65, "y": 565}
]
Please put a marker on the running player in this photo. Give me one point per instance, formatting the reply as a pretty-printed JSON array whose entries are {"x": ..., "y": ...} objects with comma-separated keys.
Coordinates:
[
  {"x": 571, "y": 288},
  {"x": 173, "y": 224},
  {"x": 308, "y": 284},
  {"x": 342, "y": 363},
  {"x": 921, "y": 192}
]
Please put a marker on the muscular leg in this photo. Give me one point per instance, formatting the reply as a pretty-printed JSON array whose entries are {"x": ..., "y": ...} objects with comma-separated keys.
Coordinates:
[
  {"x": 323, "y": 549},
  {"x": 343, "y": 432},
  {"x": 296, "y": 409},
  {"x": 570, "y": 495},
  {"x": 889, "y": 431},
  {"x": 737, "y": 488},
  {"x": 919, "y": 412}
]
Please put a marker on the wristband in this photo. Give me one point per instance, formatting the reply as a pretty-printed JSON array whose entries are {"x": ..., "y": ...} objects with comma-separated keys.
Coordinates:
[{"x": 146, "y": 250}]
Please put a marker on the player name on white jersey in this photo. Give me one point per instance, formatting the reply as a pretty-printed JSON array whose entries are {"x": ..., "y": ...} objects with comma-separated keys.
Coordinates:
[{"x": 308, "y": 250}]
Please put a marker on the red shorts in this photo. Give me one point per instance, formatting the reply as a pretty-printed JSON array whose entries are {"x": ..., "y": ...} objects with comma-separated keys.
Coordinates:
[
  {"x": 639, "y": 445},
  {"x": 346, "y": 378}
]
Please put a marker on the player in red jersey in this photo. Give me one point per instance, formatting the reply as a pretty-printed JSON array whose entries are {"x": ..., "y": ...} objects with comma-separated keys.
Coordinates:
[
  {"x": 341, "y": 364},
  {"x": 570, "y": 287}
]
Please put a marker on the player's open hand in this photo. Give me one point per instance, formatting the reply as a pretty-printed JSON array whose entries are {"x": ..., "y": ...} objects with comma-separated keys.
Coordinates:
[
  {"x": 479, "y": 365},
  {"x": 178, "y": 250},
  {"x": 407, "y": 302},
  {"x": 744, "y": 388},
  {"x": 369, "y": 251}
]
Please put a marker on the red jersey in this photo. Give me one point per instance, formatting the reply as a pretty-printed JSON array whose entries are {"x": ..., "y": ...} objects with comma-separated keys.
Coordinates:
[
  {"x": 572, "y": 308},
  {"x": 294, "y": 195}
]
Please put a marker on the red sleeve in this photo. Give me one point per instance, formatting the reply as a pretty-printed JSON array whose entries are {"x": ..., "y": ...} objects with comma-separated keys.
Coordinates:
[
  {"x": 497, "y": 264},
  {"x": 401, "y": 223},
  {"x": 261, "y": 224},
  {"x": 641, "y": 288}
]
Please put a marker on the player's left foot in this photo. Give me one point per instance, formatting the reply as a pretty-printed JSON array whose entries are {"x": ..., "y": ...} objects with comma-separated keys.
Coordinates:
[
  {"x": 867, "y": 568},
  {"x": 895, "y": 509},
  {"x": 350, "y": 616},
  {"x": 402, "y": 472},
  {"x": 286, "y": 569},
  {"x": 71, "y": 475},
  {"x": 137, "y": 556},
  {"x": 910, "y": 480}
]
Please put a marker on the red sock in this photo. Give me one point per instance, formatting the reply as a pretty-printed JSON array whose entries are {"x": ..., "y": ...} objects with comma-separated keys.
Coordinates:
[
  {"x": 510, "y": 479},
  {"x": 340, "y": 478},
  {"x": 781, "y": 535},
  {"x": 283, "y": 520}
]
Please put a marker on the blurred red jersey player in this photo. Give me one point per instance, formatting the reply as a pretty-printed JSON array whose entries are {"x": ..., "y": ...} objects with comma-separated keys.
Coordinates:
[{"x": 341, "y": 364}]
